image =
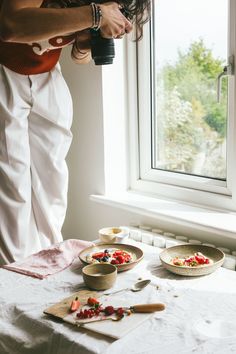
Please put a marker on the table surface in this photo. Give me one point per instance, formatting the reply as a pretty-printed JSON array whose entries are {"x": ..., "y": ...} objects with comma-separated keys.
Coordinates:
[{"x": 200, "y": 315}]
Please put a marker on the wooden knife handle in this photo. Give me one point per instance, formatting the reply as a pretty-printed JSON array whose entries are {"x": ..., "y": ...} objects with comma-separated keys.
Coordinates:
[{"x": 148, "y": 308}]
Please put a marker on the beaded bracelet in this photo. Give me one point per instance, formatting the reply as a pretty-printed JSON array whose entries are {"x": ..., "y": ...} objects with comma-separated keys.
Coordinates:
[{"x": 97, "y": 16}]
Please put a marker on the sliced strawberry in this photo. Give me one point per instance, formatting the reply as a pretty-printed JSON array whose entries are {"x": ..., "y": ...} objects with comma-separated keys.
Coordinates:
[
  {"x": 117, "y": 253},
  {"x": 75, "y": 304},
  {"x": 120, "y": 259},
  {"x": 127, "y": 257},
  {"x": 98, "y": 255},
  {"x": 114, "y": 261},
  {"x": 200, "y": 259},
  {"x": 92, "y": 301}
]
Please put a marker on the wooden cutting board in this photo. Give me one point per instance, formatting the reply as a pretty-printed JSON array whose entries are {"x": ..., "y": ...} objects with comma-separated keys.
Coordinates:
[
  {"x": 62, "y": 308},
  {"x": 116, "y": 330}
]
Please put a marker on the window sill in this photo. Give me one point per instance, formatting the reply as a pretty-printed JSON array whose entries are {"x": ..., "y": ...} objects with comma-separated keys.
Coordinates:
[{"x": 221, "y": 223}]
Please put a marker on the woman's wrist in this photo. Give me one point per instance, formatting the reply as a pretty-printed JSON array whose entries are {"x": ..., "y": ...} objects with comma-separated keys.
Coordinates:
[{"x": 96, "y": 16}]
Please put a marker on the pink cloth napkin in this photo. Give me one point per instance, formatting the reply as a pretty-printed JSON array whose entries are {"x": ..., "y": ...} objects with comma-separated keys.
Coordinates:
[{"x": 51, "y": 260}]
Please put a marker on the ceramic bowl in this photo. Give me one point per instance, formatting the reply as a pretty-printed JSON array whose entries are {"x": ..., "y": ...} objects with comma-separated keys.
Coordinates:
[
  {"x": 99, "y": 276},
  {"x": 182, "y": 251},
  {"x": 122, "y": 238},
  {"x": 136, "y": 252},
  {"x": 113, "y": 234}
]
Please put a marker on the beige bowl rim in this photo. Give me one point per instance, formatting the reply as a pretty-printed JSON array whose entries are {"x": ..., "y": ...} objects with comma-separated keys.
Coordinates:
[{"x": 97, "y": 265}]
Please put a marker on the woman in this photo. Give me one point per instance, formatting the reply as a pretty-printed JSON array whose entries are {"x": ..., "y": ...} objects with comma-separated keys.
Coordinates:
[{"x": 36, "y": 112}]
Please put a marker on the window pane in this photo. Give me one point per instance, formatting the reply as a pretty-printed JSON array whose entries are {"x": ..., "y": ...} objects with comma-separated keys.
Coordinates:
[{"x": 190, "y": 51}]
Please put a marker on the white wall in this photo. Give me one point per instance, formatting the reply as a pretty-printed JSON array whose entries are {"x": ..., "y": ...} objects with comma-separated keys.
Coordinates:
[{"x": 86, "y": 156}]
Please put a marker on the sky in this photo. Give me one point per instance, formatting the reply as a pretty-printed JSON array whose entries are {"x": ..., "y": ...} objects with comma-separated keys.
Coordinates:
[{"x": 180, "y": 22}]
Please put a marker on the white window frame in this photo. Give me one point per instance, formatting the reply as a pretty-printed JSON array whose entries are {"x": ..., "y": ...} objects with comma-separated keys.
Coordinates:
[{"x": 192, "y": 189}]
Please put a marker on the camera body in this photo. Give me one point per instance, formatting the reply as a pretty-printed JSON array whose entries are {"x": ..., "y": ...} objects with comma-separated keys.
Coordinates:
[{"x": 102, "y": 49}]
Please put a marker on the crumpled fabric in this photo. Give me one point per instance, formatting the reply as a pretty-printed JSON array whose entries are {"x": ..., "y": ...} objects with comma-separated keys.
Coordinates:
[{"x": 51, "y": 260}]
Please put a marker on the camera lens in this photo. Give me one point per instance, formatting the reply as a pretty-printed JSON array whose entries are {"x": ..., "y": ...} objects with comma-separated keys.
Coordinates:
[{"x": 102, "y": 49}]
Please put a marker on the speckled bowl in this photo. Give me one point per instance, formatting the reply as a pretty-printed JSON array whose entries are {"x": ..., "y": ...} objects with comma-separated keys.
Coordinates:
[
  {"x": 216, "y": 255},
  {"x": 137, "y": 254}
]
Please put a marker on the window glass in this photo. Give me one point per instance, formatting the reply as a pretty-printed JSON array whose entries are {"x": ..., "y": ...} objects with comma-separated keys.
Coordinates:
[{"x": 189, "y": 126}]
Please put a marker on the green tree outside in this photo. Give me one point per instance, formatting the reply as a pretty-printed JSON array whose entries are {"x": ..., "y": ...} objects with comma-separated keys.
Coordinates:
[{"x": 191, "y": 126}]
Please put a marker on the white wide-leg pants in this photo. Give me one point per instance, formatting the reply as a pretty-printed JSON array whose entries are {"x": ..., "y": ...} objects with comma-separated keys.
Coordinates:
[{"x": 35, "y": 121}]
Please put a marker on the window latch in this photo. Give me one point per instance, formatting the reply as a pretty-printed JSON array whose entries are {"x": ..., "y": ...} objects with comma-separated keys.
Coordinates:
[{"x": 228, "y": 70}]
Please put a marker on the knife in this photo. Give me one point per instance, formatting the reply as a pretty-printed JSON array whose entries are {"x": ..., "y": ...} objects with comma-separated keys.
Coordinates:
[{"x": 143, "y": 308}]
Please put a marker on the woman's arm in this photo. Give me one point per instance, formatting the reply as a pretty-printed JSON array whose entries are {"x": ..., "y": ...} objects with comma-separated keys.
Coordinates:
[{"x": 24, "y": 21}]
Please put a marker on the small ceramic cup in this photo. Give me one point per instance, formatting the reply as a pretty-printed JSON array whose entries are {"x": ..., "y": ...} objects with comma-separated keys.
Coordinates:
[
  {"x": 123, "y": 236},
  {"x": 112, "y": 234},
  {"x": 99, "y": 276}
]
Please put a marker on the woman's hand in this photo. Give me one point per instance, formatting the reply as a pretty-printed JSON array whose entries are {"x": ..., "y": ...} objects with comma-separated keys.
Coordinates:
[
  {"x": 81, "y": 50},
  {"x": 114, "y": 24}
]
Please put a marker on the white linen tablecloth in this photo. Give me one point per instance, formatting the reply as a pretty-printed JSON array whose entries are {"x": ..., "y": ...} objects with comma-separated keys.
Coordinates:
[{"x": 200, "y": 315}]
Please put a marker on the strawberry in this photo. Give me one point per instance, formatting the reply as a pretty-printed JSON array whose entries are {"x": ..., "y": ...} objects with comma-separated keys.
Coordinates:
[
  {"x": 127, "y": 258},
  {"x": 92, "y": 301},
  {"x": 120, "y": 259},
  {"x": 109, "y": 310},
  {"x": 120, "y": 312},
  {"x": 98, "y": 255},
  {"x": 75, "y": 304},
  {"x": 114, "y": 261},
  {"x": 117, "y": 253},
  {"x": 200, "y": 259}
]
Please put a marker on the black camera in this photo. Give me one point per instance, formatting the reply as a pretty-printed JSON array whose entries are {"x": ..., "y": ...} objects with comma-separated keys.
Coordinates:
[{"x": 102, "y": 49}]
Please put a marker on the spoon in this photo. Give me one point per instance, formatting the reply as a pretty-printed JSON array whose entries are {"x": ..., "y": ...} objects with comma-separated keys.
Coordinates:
[
  {"x": 116, "y": 318},
  {"x": 140, "y": 285}
]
